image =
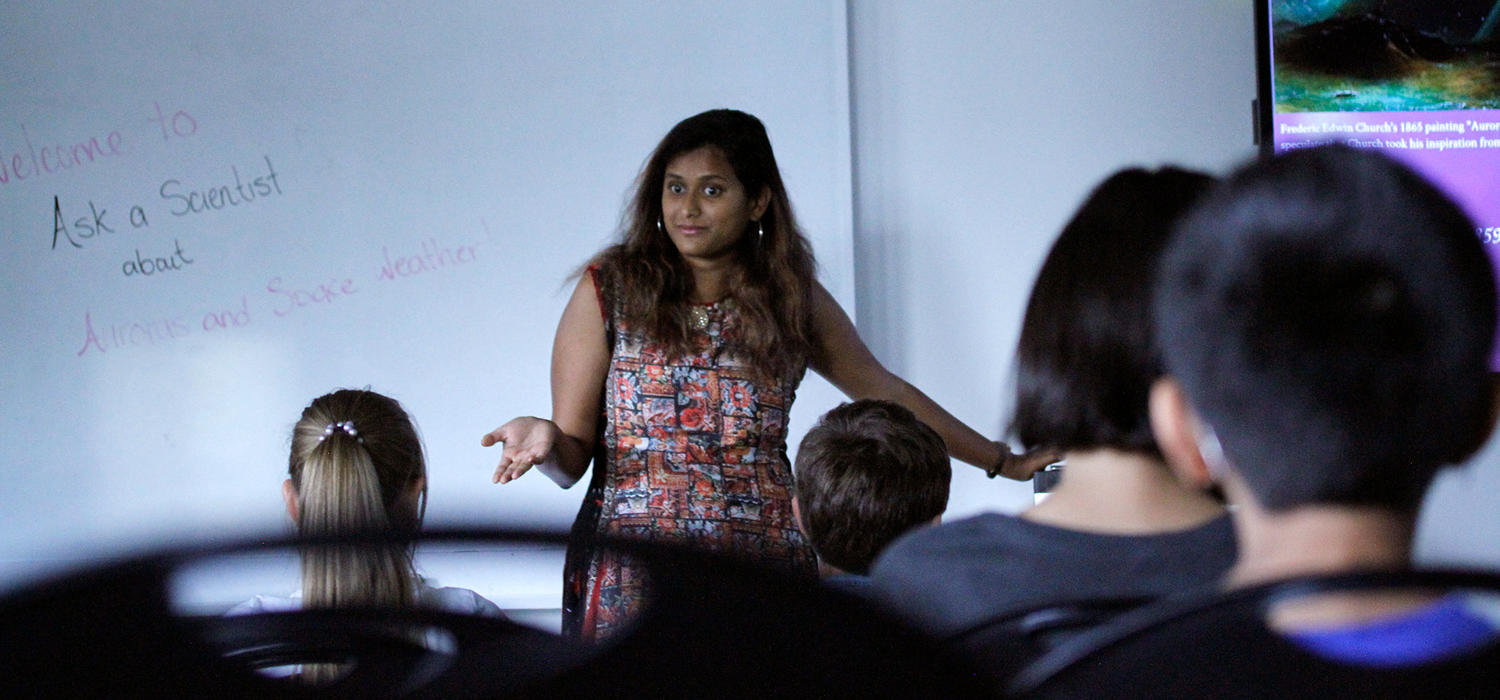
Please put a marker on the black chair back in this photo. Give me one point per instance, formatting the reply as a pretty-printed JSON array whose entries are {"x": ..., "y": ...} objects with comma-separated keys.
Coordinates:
[
  {"x": 1004, "y": 644},
  {"x": 715, "y": 627},
  {"x": 1223, "y": 646}
]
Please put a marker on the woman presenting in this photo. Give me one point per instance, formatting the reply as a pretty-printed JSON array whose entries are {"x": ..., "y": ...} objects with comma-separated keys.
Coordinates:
[{"x": 676, "y": 362}]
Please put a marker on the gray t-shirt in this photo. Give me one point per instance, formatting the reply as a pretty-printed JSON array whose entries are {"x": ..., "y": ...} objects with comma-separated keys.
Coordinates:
[{"x": 948, "y": 578}]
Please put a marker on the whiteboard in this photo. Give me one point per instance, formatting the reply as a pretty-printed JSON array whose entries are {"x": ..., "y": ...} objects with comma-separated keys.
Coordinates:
[{"x": 212, "y": 213}]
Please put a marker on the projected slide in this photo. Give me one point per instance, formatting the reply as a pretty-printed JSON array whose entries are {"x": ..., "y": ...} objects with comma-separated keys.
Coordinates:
[{"x": 1417, "y": 78}]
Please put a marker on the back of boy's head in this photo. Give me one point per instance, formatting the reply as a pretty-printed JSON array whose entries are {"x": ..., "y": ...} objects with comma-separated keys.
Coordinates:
[
  {"x": 867, "y": 472},
  {"x": 1330, "y": 316}
]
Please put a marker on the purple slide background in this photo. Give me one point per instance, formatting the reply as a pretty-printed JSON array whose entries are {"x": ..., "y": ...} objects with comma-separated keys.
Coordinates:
[{"x": 1469, "y": 171}]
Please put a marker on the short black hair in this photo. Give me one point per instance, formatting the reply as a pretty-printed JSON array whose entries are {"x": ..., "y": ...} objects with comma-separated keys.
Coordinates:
[
  {"x": 866, "y": 473},
  {"x": 1330, "y": 315},
  {"x": 1087, "y": 356}
]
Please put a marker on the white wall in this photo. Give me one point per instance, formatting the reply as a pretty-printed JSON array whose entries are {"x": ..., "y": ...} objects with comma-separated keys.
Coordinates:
[
  {"x": 978, "y": 128},
  {"x": 1459, "y": 522}
]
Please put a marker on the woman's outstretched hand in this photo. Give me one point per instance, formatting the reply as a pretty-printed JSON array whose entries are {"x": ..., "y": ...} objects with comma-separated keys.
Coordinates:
[
  {"x": 1021, "y": 467},
  {"x": 526, "y": 441}
]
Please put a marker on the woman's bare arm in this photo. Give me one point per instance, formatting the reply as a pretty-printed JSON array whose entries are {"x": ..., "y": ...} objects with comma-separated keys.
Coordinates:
[
  {"x": 845, "y": 361},
  {"x": 562, "y": 447}
]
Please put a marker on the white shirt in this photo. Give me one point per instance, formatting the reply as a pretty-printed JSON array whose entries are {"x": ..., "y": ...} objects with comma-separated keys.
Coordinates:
[{"x": 455, "y": 600}]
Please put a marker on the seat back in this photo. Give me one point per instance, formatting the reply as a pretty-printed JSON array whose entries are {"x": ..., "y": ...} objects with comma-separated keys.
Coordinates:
[
  {"x": 1225, "y": 646},
  {"x": 714, "y": 627},
  {"x": 1002, "y": 645}
]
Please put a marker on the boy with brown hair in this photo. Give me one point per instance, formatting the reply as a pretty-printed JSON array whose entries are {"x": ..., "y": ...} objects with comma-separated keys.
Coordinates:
[{"x": 866, "y": 473}]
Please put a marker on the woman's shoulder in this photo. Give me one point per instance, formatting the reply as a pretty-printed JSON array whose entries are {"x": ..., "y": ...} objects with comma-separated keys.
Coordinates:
[
  {"x": 606, "y": 267},
  {"x": 591, "y": 283}
]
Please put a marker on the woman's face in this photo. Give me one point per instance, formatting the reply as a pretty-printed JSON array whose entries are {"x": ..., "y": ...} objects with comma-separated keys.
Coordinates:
[{"x": 704, "y": 207}]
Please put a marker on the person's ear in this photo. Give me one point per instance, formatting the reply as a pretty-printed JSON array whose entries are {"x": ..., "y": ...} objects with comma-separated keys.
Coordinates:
[
  {"x": 1175, "y": 426},
  {"x": 289, "y": 494},
  {"x": 762, "y": 201}
]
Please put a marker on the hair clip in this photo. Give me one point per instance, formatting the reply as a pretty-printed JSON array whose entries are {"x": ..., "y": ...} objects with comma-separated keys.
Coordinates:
[{"x": 344, "y": 425}]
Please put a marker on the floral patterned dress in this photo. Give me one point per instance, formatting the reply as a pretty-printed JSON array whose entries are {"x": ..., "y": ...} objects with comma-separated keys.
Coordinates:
[{"x": 693, "y": 451}]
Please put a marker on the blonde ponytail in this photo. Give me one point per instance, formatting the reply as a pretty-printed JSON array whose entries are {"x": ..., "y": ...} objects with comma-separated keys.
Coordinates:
[
  {"x": 340, "y": 494},
  {"x": 355, "y": 462}
]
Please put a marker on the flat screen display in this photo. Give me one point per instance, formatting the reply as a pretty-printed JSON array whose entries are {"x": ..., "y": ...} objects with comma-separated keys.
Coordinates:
[{"x": 1418, "y": 79}]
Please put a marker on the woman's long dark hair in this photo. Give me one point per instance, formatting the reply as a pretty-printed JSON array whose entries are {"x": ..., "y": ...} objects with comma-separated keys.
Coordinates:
[{"x": 771, "y": 288}]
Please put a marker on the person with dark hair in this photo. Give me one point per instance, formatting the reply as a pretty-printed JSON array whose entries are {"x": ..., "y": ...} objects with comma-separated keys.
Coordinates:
[
  {"x": 676, "y": 362},
  {"x": 1119, "y": 525},
  {"x": 866, "y": 473},
  {"x": 1327, "y": 319}
]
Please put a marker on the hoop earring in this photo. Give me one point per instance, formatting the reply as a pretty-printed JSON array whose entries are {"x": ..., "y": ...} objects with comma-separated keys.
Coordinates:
[
  {"x": 659, "y": 228},
  {"x": 760, "y": 232}
]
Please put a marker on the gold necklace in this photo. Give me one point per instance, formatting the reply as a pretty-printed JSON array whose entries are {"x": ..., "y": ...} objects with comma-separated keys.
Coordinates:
[{"x": 699, "y": 316}]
